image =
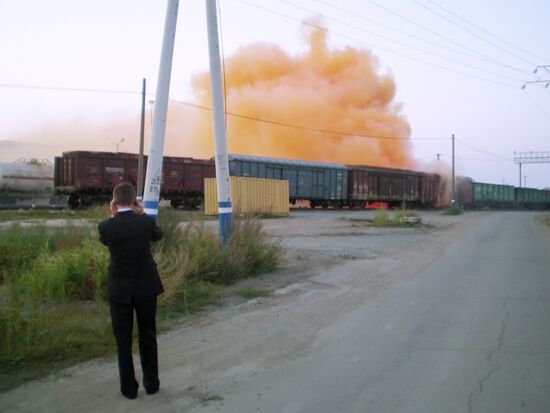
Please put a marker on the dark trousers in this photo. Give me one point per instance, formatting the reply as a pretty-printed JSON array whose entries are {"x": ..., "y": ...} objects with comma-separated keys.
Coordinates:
[{"x": 122, "y": 317}]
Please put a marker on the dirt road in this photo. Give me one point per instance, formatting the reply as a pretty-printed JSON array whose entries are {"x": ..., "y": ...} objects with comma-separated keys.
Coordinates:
[{"x": 454, "y": 318}]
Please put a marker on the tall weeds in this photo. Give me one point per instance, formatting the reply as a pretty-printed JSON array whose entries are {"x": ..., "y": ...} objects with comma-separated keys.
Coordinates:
[{"x": 52, "y": 303}]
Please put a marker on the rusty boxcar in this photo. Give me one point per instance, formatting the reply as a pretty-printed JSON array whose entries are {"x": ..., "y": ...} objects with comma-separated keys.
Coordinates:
[
  {"x": 89, "y": 177},
  {"x": 393, "y": 186}
]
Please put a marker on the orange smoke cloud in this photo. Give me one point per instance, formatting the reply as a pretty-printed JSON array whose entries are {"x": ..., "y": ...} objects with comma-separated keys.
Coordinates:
[{"x": 330, "y": 89}]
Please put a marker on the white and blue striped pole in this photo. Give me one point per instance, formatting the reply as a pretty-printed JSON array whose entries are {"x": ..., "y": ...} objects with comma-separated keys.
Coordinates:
[
  {"x": 225, "y": 210},
  {"x": 151, "y": 191}
]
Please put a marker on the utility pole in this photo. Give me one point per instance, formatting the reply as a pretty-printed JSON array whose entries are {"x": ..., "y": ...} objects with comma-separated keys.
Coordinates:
[
  {"x": 453, "y": 197},
  {"x": 141, "y": 136},
  {"x": 225, "y": 210},
  {"x": 153, "y": 177},
  {"x": 151, "y": 102},
  {"x": 525, "y": 181}
]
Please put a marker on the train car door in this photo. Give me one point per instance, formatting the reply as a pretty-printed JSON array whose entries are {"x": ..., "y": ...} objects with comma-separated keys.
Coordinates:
[
  {"x": 291, "y": 175},
  {"x": 273, "y": 172}
]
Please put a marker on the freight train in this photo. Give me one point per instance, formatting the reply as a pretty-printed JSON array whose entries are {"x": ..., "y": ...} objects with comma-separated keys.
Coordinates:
[
  {"x": 337, "y": 185},
  {"x": 88, "y": 177},
  {"x": 478, "y": 195}
]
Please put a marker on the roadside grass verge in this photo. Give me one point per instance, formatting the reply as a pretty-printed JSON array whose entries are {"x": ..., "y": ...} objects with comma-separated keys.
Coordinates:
[
  {"x": 95, "y": 212},
  {"x": 546, "y": 219},
  {"x": 456, "y": 210},
  {"x": 250, "y": 293},
  {"x": 53, "y": 310},
  {"x": 402, "y": 218}
]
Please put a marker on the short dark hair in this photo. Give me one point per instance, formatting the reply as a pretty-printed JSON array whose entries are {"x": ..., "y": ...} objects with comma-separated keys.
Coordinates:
[{"x": 124, "y": 194}]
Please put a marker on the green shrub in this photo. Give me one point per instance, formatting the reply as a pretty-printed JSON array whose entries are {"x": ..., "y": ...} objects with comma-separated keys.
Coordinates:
[
  {"x": 78, "y": 273},
  {"x": 381, "y": 218},
  {"x": 19, "y": 246},
  {"x": 456, "y": 210}
]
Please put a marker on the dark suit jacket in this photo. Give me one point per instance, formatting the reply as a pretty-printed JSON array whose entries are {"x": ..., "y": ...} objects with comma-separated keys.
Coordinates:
[{"x": 132, "y": 270}]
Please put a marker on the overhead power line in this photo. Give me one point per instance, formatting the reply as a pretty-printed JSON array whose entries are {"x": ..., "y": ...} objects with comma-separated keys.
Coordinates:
[
  {"x": 474, "y": 148},
  {"x": 472, "y": 33},
  {"x": 486, "y": 32},
  {"x": 477, "y": 56},
  {"x": 409, "y": 46},
  {"x": 436, "y": 33},
  {"x": 308, "y": 128},
  {"x": 536, "y": 104},
  {"x": 68, "y": 89},
  {"x": 481, "y": 160},
  {"x": 271, "y": 11}
]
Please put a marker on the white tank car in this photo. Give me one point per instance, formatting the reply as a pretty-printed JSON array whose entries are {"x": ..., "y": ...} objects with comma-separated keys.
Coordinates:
[{"x": 26, "y": 177}]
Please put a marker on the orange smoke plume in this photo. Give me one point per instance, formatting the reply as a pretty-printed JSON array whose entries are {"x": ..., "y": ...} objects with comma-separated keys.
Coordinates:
[{"x": 328, "y": 89}]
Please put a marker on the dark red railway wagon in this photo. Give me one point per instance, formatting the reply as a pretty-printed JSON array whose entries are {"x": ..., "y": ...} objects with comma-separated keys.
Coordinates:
[
  {"x": 430, "y": 188},
  {"x": 374, "y": 184},
  {"x": 89, "y": 177}
]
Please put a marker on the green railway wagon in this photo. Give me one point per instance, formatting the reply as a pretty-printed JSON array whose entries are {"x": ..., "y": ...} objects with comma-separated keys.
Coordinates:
[
  {"x": 493, "y": 195},
  {"x": 532, "y": 198}
]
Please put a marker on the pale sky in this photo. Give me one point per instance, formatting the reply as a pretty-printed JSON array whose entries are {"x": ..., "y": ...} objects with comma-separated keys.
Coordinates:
[{"x": 112, "y": 45}]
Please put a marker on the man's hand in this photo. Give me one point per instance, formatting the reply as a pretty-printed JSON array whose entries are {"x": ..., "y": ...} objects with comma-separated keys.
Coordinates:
[
  {"x": 138, "y": 207},
  {"x": 113, "y": 207}
]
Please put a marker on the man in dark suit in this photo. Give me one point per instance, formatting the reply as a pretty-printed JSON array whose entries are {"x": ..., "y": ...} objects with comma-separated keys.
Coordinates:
[{"x": 134, "y": 285}]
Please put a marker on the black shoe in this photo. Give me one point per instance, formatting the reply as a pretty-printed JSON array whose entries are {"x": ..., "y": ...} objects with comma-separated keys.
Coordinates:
[
  {"x": 130, "y": 396},
  {"x": 151, "y": 390}
]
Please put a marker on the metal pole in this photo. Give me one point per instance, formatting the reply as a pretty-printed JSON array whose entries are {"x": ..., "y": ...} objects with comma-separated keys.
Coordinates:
[
  {"x": 520, "y": 174},
  {"x": 225, "y": 210},
  {"x": 453, "y": 198},
  {"x": 153, "y": 177},
  {"x": 141, "y": 135}
]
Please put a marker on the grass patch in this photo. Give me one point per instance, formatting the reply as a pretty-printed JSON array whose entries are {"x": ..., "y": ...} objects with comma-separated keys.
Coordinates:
[
  {"x": 20, "y": 247},
  {"x": 456, "y": 210},
  {"x": 546, "y": 219},
  {"x": 95, "y": 212},
  {"x": 52, "y": 301},
  {"x": 382, "y": 219},
  {"x": 249, "y": 293}
]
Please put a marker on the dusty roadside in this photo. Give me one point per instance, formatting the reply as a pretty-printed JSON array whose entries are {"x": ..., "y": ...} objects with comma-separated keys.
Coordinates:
[{"x": 328, "y": 260}]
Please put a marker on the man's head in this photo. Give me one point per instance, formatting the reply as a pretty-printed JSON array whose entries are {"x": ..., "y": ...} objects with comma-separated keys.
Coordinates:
[{"x": 124, "y": 194}]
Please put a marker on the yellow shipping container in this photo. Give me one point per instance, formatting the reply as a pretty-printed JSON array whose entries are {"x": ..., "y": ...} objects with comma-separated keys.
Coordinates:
[{"x": 250, "y": 196}]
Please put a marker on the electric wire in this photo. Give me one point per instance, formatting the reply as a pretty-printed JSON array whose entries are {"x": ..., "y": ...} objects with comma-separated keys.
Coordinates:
[
  {"x": 308, "y": 128},
  {"x": 485, "y": 31},
  {"x": 434, "y": 32},
  {"x": 409, "y": 46},
  {"x": 481, "y": 160},
  {"x": 67, "y": 89},
  {"x": 476, "y": 149},
  {"x": 482, "y": 58},
  {"x": 472, "y": 33},
  {"x": 378, "y": 47},
  {"x": 536, "y": 104}
]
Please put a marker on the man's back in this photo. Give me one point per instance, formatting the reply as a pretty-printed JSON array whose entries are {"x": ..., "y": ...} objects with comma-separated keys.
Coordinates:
[{"x": 132, "y": 270}]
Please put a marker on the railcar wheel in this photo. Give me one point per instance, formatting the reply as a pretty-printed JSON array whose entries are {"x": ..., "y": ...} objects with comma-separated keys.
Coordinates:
[{"x": 74, "y": 201}]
